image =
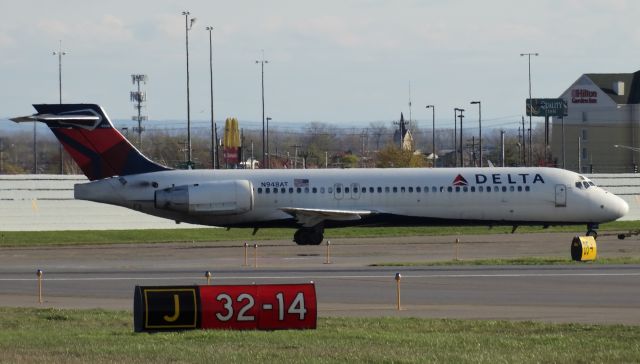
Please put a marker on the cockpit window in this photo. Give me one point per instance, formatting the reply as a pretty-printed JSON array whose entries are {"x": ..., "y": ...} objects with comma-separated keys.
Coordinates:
[
  {"x": 579, "y": 184},
  {"x": 586, "y": 184},
  {"x": 592, "y": 184}
]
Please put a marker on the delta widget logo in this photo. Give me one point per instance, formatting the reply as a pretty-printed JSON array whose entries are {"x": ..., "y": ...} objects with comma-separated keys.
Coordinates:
[{"x": 460, "y": 181}]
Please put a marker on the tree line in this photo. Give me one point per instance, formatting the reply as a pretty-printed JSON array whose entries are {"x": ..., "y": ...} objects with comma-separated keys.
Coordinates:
[{"x": 318, "y": 145}]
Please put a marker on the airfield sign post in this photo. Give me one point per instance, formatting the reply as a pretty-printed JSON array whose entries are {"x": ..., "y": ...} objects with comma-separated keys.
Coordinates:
[{"x": 546, "y": 108}]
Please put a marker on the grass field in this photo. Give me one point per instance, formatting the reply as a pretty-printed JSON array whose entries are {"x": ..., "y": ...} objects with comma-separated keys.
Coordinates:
[
  {"x": 37, "y": 238},
  {"x": 97, "y": 336}
]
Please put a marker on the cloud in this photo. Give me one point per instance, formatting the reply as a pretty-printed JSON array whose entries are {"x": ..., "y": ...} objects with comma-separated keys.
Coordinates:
[
  {"x": 6, "y": 40},
  {"x": 108, "y": 29}
]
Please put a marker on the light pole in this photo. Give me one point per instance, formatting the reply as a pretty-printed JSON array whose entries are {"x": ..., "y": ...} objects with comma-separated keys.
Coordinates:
[
  {"x": 214, "y": 138},
  {"x": 461, "y": 147},
  {"x": 479, "y": 127},
  {"x": 262, "y": 62},
  {"x": 60, "y": 53},
  {"x": 530, "y": 111},
  {"x": 188, "y": 24},
  {"x": 433, "y": 132},
  {"x": 455, "y": 135},
  {"x": 268, "y": 150}
]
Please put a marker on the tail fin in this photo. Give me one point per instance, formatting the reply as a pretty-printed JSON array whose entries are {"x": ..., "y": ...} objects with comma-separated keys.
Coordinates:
[{"x": 90, "y": 138}]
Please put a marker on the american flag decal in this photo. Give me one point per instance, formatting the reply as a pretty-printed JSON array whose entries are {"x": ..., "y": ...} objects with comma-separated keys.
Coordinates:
[{"x": 301, "y": 182}]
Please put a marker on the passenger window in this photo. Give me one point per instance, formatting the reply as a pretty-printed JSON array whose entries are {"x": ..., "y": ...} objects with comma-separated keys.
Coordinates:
[
  {"x": 387, "y": 189},
  {"x": 527, "y": 188},
  {"x": 410, "y": 189},
  {"x": 395, "y": 189},
  {"x": 488, "y": 188},
  {"x": 275, "y": 190},
  {"x": 306, "y": 190},
  {"x": 290, "y": 189},
  {"x": 314, "y": 190},
  {"x": 321, "y": 189},
  {"x": 299, "y": 190},
  {"x": 283, "y": 190},
  {"x": 512, "y": 189},
  {"x": 442, "y": 189},
  {"x": 465, "y": 189},
  {"x": 402, "y": 189},
  {"x": 363, "y": 190},
  {"x": 480, "y": 189},
  {"x": 371, "y": 189},
  {"x": 473, "y": 189},
  {"x": 504, "y": 188},
  {"x": 457, "y": 188},
  {"x": 259, "y": 189},
  {"x": 519, "y": 188},
  {"x": 379, "y": 189},
  {"x": 435, "y": 189},
  {"x": 338, "y": 190},
  {"x": 346, "y": 190},
  {"x": 418, "y": 189},
  {"x": 449, "y": 189},
  {"x": 266, "y": 190},
  {"x": 330, "y": 189}
]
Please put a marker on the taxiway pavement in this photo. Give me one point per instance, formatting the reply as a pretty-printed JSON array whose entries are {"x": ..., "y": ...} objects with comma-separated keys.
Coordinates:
[{"x": 104, "y": 276}]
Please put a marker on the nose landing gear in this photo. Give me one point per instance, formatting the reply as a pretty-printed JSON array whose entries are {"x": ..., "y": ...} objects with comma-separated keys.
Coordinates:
[{"x": 591, "y": 230}]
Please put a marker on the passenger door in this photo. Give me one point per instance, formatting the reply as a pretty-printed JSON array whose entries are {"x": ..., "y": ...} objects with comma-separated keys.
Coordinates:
[{"x": 561, "y": 195}]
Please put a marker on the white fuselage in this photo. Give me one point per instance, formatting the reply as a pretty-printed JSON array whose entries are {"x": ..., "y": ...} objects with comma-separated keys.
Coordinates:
[{"x": 507, "y": 196}]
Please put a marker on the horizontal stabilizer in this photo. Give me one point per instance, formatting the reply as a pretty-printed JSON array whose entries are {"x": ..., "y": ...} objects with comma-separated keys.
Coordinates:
[
  {"x": 83, "y": 121},
  {"x": 312, "y": 217}
]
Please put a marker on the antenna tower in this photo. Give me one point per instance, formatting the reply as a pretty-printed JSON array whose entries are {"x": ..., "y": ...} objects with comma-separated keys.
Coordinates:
[{"x": 139, "y": 97}]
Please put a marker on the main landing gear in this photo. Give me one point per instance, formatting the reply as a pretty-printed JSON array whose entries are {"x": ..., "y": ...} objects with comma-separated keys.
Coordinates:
[
  {"x": 591, "y": 230},
  {"x": 309, "y": 236}
]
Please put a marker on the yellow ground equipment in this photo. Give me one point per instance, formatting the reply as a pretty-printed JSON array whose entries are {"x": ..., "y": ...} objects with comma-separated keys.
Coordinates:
[{"x": 583, "y": 248}]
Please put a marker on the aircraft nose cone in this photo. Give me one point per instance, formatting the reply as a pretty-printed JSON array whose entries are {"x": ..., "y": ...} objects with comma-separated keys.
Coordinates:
[
  {"x": 622, "y": 208},
  {"x": 615, "y": 208}
]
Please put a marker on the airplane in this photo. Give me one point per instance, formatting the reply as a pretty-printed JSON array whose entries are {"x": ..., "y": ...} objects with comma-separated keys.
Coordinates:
[{"x": 311, "y": 200}]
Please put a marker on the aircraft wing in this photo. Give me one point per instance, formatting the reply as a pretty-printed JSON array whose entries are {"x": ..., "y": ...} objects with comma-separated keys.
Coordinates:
[{"x": 311, "y": 217}]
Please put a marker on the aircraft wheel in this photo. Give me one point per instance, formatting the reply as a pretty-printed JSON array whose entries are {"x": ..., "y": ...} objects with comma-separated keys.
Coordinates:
[
  {"x": 308, "y": 236},
  {"x": 592, "y": 233}
]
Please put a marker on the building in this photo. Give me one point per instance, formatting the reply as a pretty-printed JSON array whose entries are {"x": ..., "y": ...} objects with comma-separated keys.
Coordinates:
[
  {"x": 402, "y": 136},
  {"x": 603, "y": 111}
]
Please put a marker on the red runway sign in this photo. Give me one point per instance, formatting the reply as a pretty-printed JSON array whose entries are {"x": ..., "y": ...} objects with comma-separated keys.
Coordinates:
[{"x": 238, "y": 307}]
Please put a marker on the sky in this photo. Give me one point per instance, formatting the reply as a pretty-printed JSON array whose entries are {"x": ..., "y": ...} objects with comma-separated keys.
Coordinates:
[{"x": 336, "y": 61}]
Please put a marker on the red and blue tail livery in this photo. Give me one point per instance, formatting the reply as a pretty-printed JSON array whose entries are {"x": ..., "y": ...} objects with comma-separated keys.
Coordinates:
[{"x": 88, "y": 135}]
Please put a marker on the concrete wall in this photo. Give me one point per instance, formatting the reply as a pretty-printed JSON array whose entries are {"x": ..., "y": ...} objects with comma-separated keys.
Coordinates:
[{"x": 45, "y": 202}]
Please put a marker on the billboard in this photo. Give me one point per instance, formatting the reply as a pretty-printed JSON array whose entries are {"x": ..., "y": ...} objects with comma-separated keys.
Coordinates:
[{"x": 546, "y": 107}]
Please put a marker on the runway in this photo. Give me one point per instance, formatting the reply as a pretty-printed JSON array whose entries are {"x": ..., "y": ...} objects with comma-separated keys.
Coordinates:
[{"x": 104, "y": 276}]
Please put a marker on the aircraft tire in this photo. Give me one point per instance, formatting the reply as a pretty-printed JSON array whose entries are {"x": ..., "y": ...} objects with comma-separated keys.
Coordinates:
[{"x": 308, "y": 236}]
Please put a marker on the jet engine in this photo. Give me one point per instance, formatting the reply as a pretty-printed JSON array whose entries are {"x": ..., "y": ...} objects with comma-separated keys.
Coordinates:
[{"x": 209, "y": 198}]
